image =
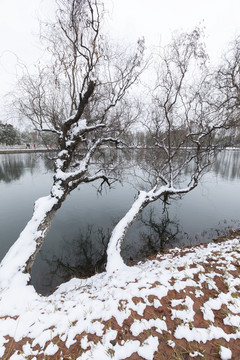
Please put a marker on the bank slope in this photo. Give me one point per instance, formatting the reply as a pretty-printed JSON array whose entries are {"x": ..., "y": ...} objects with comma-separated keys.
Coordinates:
[{"x": 183, "y": 304}]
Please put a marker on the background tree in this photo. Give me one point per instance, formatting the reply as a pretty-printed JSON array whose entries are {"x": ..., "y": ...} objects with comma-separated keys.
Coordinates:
[
  {"x": 9, "y": 135},
  {"x": 227, "y": 85},
  {"x": 228, "y": 78}
]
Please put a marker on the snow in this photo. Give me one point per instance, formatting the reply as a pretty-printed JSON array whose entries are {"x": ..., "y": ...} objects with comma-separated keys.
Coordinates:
[
  {"x": 202, "y": 334},
  {"x": 232, "y": 320},
  {"x": 92, "y": 306},
  {"x": 196, "y": 353},
  {"x": 115, "y": 261},
  {"x": 148, "y": 348},
  {"x": 15, "y": 259},
  {"x": 171, "y": 343},
  {"x": 84, "y": 343},
  {"x": 16, "y": 356},
  {"x": 140, "y": 325},
  {"x": 156, "y": 303},
  {"x": 225, "y": 353},
  {"x": 177, "y": 302},
  {"x": 57, "y": 191},
  {"x": 187, "y": 314},
  {"x": 114, "y": 246},
  {"x": 51, "y": 349},
  {"x": 27, "y": 350},
  {"x": 127, "y": 349}
]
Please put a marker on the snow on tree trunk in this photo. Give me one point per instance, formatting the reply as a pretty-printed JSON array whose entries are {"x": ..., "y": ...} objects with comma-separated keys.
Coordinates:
[
  {"x": 114, "y": 258},
  {"x": 21, "y": 256}
]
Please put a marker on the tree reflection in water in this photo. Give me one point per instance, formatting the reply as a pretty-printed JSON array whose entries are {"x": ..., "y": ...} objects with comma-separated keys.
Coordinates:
[
  {"x": 227, "y": 165},
  {"x": 86, "y": 254},
  {"x": 11, "y": 169},
  {"x": 81, "y": 257},
  {"x": 162, "y": 231},
  {"x": 14, "y": 166}
]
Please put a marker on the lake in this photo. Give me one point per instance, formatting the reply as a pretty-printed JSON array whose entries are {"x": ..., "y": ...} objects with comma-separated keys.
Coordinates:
[{"x": 77, "y": 240}]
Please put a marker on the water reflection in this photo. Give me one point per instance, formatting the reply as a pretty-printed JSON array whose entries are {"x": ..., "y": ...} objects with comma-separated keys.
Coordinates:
[
  {"x": 14, "y": 166},
  {"x": 162, "y": 231},
  {"x": 73, "y": 248},
  {"x": 82, "y": 256},
  {"x": 227, "y": 165},
  {"x": 85, "y": 254},
  {"x": 11, "y": 168}
]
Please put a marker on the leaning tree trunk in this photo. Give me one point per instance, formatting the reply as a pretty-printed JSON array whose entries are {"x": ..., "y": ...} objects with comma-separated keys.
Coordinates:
[
  {"x": 20, "y": 258},
  {"x": 114, "y": 258}
]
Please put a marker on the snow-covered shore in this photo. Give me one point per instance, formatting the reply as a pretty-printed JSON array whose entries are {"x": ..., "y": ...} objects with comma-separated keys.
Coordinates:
[{"x": 179, "y": 305}]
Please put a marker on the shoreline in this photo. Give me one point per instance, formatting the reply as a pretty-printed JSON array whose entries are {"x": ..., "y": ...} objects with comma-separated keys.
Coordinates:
[{"x": 23, "y": 151}]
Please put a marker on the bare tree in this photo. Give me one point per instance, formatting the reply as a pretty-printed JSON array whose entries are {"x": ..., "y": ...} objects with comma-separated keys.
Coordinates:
[
  {"x": 182, "y": 125},
  {"x": 81, "y": 97},
  {"x": 227, "y": 85},
  {"x": 228, "y": 78}
]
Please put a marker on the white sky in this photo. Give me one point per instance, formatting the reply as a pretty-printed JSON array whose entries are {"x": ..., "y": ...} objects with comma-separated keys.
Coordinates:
[
  {"x": 156, "y": 19},
  {"x": 127, "y": 20}
]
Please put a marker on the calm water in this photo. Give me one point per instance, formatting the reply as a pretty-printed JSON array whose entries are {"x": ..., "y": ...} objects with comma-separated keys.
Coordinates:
[{"x": 76, "y": 243}]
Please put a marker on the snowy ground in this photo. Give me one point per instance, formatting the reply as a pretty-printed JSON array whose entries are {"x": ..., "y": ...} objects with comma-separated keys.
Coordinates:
[{"x": 184, "y": 304}]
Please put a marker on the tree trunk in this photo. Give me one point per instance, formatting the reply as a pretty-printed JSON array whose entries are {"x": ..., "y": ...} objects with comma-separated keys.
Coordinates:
[
  {"x": 21, "y": 256},
  {"x": 114, "y": 259}
]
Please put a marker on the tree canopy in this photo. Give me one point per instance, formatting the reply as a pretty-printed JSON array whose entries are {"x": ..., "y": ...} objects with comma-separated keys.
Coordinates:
[{"x": 8, "y": 134}]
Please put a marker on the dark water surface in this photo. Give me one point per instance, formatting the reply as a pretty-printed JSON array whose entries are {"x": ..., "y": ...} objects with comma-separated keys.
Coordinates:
[{"x": 77, "y": 240}]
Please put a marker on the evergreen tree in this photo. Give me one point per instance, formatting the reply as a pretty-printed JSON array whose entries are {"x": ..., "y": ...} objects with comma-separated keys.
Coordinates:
[{"x": 8, "y": 134}]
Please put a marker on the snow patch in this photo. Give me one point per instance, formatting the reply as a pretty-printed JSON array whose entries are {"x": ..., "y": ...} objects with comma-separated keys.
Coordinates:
[
  {"x": 140, "y": 325},
  {"x": 51, "y": 349},
  {"x": 148, "y": 348},
  {"x": 171, "y": 343},
  {"x": 225, "y": 353}
]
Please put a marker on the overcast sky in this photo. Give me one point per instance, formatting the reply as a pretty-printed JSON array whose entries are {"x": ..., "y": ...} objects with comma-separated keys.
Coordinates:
[
  {"x": 127, "y": 20},
  {"x": 157, "y": 18}
]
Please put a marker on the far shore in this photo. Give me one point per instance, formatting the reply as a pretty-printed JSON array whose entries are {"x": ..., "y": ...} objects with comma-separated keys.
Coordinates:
[{"x": 20, "y": 151}]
